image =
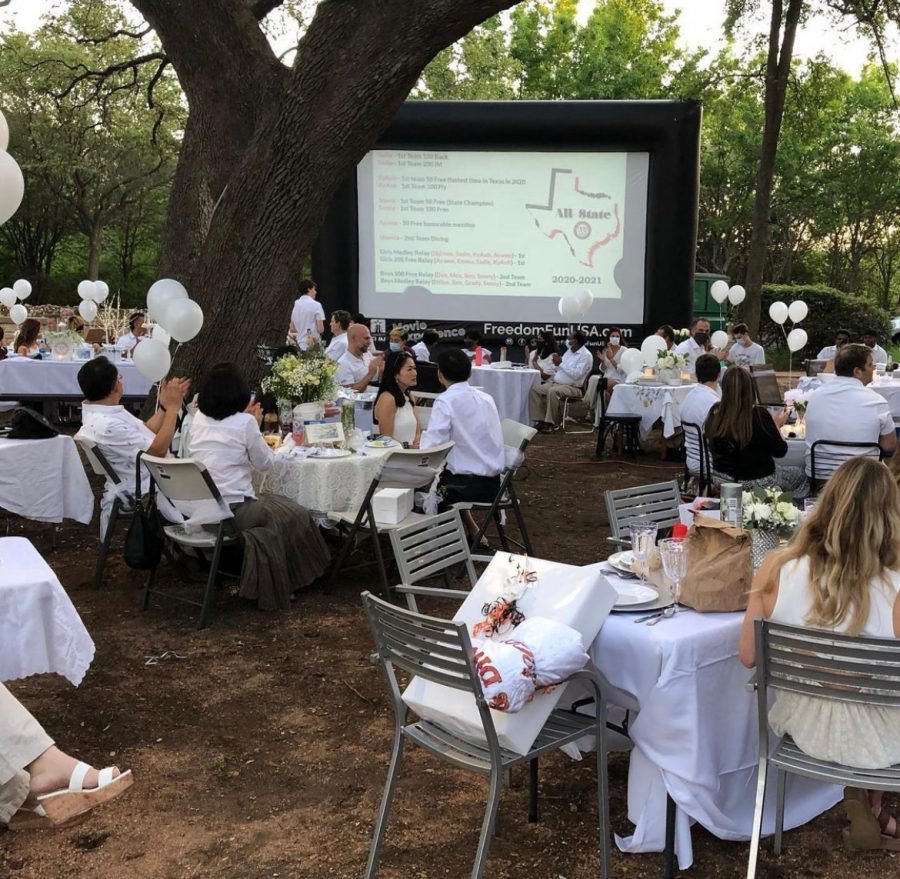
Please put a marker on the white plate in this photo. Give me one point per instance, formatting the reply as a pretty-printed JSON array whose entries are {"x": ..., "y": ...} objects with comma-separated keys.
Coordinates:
[
  {"x": 633, "y": 594},
  {"x": 380, "y": 444},
  {"x": 330, "y": 453},
  {"x": 622, "y": 561}
]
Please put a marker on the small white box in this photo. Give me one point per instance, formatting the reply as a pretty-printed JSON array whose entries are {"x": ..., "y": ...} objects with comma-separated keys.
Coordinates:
[{"x": 392, "y": 505}]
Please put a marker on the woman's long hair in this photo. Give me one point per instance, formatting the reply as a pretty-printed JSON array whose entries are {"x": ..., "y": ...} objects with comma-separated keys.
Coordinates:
[
  {"x": 28, "y": 333},
  {"x": 851, "y": 538},
  {"x": 546, "y": 344},
  {"x": 731, "y": 419},
  {"x": 393, "y": 363}
]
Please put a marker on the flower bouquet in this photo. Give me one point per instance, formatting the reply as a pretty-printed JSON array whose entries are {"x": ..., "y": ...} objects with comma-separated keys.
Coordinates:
[
  {"x": 307, "y": 377},
  {"x": 671, "y": 360},
  {"x": 769, "y": 515}
]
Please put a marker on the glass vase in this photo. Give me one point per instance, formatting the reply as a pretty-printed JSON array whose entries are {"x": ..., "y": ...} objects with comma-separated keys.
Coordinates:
[{"x": 763, "y": 542}]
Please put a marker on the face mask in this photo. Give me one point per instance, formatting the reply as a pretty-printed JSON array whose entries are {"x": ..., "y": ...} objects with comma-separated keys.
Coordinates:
[
  {"x": 396, "y": 346},
  {"x": 613, "y": 340},
  {"x": 569, "y": 344},
  {"x": 701, "y": 338}
]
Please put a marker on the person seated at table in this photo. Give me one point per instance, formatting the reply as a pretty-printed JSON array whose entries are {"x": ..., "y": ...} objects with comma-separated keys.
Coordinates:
[
  {"x": 840, "y": 573},
  {"x": 744, "y": 351},
  {"x": 844, "y": 409},
  {"x": 744, "y": 439},
  {"x": 357, "y": 367},
  {"x": 340, "y": 323},
  {"x": 468, "y": 418},
  {"x": 40, "y": 785},
  {"x": 118, "y": 434},
  {"x": 395, "y": 412},
  {"x": 3, "y": 351},
  {"x": 27, "y": 343},
  {"x": 472, "y": 346},
  {"x": 698, "y": 343},
  {"x": 136, "y": 332},
  {"x": 283, "y": 548},
  {"x": 841, "y": 338},
  {"x": 870, "y": 339},
  {"x": 541, "y": 358},
  {"x": 609, "y": 358},
  {"x": 77, "y": 324},
  {"x": 545, "y": 400},
  {"x": 699, "y": 400},
  {"x": 667, "y": 333},
  {"x": 423, "y": 350},
  {"x": 398, "y": 340}
]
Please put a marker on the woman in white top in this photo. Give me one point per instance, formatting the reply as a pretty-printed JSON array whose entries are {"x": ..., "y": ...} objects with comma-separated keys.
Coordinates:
[
  {"x": 840, "y": 573},
  {"x": 395, "y": 412},
  {"x": 283, "y": 549},
  {"x": 27, "y": 342},
  {"x": 542, "y": 356}
]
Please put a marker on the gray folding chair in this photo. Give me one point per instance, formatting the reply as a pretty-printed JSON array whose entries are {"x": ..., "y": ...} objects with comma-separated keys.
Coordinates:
[
  {"x": 403, "y": 468},
  {"x": 695, "y": 446},
  {"x": 184, "y": 480},
  {"x": 428, "y": 548},
  {"x": 441, "y": 651},
  {"x": 820, "y": 475},
  {"x": 656, "y": 503},
  {"x": 569, "y": 402},
  {"x": 123, "y": 502},
  {"x": 826, "y": 665}
]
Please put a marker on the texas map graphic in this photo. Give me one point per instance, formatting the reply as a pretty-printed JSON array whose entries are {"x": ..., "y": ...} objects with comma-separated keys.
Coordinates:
[{"x": 585, "y": 221}]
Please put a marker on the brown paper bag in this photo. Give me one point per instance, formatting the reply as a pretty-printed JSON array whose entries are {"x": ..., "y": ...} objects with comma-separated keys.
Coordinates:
[{"x": 719, "y": 570}]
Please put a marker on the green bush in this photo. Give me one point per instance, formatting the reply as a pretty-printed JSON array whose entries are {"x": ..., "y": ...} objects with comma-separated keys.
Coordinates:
[{"x": 829, "y": 310}]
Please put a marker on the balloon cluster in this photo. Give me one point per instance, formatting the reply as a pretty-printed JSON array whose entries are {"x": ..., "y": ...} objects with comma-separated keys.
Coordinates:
[
  {"x": 796, "y": 311},
  {"x": 176, "y": 317},
  {"x": 572, "y": 307},
  {"x": 720, "y": 291},
  {"x": 12, "y": 184},
  {"x": 92, "y": 293},
  {"x": 10, "y": 296}
]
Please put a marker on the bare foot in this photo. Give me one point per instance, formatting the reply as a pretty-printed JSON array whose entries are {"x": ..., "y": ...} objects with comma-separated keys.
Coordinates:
[{"x": 52, "y": 771}]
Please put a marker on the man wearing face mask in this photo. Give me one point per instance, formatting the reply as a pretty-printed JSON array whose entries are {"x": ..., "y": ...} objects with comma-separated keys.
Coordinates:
[
  {"x": 545, "y": 400},
  {"x": 398, "y": 340},
  {"x": 744, "y": 351},
  {"x": 698, "y": 343}
]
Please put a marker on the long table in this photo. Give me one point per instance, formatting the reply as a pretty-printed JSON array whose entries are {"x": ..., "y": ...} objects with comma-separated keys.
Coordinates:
[{"x": 22, "y": 378}]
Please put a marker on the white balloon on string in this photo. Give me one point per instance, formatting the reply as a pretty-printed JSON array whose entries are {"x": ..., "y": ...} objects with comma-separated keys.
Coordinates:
[
  {"x": 87, "y": 308},
  {"x": 737, "y": 294},
  {"x": 152, "y": 359}
]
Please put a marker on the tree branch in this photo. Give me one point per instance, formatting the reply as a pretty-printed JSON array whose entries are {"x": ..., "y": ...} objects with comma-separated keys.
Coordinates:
[
  {"x": 100, "y": 75},
  {"x": 134, "y": 35}
]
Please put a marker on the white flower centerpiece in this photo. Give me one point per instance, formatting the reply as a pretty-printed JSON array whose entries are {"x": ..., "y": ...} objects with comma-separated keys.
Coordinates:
[
  {"x": 669, "y": 364},
  {"x": 303, "y": 381},
  {"x": 770, "y": 516}
]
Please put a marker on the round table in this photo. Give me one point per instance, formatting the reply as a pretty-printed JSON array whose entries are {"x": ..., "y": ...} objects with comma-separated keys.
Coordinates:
[
  {"x": 509, "y": 388},
  {"x": 22, "y": 378}
]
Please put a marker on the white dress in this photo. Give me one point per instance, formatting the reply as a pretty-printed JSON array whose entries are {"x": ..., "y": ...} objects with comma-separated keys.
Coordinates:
[
  {"x": 865, "y": 736},
  {"x": 405, "y": 424}
]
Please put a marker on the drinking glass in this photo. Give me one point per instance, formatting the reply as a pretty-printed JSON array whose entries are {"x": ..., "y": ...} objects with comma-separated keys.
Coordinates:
[
  {"x": 643, "y": 539},
  {"x": 673, "y": 553},
  {"x": 285, "y": 417},
  {"x": 298, "y": 432},
  {"x": 809, "y": 504}
]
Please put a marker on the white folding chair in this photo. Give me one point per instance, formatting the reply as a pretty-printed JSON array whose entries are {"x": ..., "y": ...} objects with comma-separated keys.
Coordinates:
[
  {"x": 656, "y": 503},
  {"x": 182, "y": 480},
  {"x": 402, "y": 468},
  {"x": 123, "y": 502}
]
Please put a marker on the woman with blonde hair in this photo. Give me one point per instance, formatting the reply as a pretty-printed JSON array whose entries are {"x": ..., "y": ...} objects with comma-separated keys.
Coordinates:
[{"x": 841, "y": 573}]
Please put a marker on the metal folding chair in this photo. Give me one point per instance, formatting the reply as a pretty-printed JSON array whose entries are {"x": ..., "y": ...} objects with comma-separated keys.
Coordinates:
[
  {"x": 695, "y": 446},
  {"x": 656, "y": 503},
  {"x": 825, "y": 665},
  {"x": 441, "y": 651},
  {"x": 430, "y": 548},
  {"x": 571, "y": 401},
  {"x": 403, "y": 468},
  {"x": 814, "y": 479},
  {"x": 123, "y": 502},
  {"x": 183, "y": 480}
]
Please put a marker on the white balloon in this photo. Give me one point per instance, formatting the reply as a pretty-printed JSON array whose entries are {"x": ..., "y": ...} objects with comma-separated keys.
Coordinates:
[
  {"x": 12, "y": 186},
  {"x": 632, "y": 360},
  {"x": 778, "y": 311},
  {"x": 152, "y": 359},
  {"x": 584, "y": 298},
  {"x": 737, "y": 294},
  {"x": 162, "y": 292},
  {"x": 4, "y": 133},
  {"x": 719, "y": 291},
  {"x": 101, "y": 291},
  {"x": 568, "y": 309},
  {"x": 87, "y": 308},
  {"x": 719, "y": 339},
  {"x": 86, "y": 289},
  {"x": 797, "y": 339},
  {"x": 161, "y": 334},
  {"x": 650, "y": 346},
  {"x": 798, "y": 310},
  {"x": 183, "y": 318},
  {"x": 8, "y": 297},
  {"x": 18, "y": 313},
  {"x": 22, "y": 288}
]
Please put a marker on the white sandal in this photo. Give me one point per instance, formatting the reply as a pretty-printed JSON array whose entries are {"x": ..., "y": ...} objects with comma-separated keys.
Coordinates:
[{"x": 66, "y": 803}]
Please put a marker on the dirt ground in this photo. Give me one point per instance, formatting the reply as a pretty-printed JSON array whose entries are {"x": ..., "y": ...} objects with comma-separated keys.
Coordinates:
[{"x": 261, "y": 753}]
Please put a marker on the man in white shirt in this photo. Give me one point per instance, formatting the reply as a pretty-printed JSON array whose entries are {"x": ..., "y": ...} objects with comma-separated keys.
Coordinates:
[
  {"x": 879, "y": 355},
  {"x": 422, "y": 350},
  {"x": 307, "y": 316},
  {"x": 357, "y": 367},
  {"x": 545, "y": 400},
  {"x": 744, "y": 351},
  {"x": 117, "y": 433},
  {"x": 135, "y": 333},
  {"x": 698, "y": 343},
  {"x": 696, "y": 405},
  {"x": 841, "y": 338},
  {"x": 340, "y": 323},
  {"x": 844, "y": 409},
  {"x": 468, "y": 418}
]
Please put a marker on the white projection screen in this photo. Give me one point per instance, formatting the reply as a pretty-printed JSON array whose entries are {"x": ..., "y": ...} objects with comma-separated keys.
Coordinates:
[{"x": 451, "y": 234}]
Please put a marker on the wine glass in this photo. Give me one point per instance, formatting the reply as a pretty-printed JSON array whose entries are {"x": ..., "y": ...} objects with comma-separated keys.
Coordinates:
[
  {"x": 643, "y": 539},
  {"x": 673, "y": 553}
]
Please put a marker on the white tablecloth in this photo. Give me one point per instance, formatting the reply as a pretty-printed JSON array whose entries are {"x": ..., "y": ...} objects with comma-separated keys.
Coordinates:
[
  {"x": 23, "y": 378},
  {"x": 44, "y": 480},
  {"x": 651, "y": 403},
  {"x": 40, "y": 630},
  {"x": 509, "y": 388},
  {"x": 324, "y": 484},
  {"x": 695, "y": 733}
]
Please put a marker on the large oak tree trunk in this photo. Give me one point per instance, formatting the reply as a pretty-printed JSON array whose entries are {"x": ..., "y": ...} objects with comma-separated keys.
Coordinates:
[
  {"x": 778, "y": 66},
  {"x": 266, "y": 147}
]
